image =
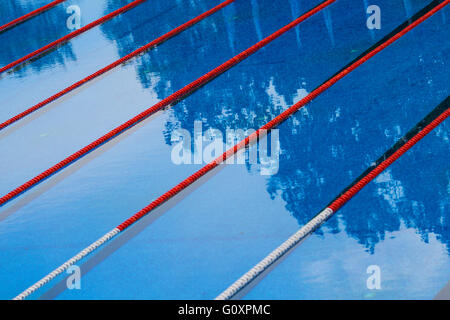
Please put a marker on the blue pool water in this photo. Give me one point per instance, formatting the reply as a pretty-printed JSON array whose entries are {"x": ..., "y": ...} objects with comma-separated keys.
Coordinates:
[{"x": 222, "y": 226}]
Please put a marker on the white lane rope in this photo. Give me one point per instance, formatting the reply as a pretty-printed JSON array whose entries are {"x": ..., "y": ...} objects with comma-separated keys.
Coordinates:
[
  {"x": 275, "y": 255},
  {"x": 108, "y": 236}
]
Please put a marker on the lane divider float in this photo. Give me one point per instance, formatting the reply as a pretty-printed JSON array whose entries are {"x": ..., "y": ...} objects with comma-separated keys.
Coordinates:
[{"x": 230, "y": 152}]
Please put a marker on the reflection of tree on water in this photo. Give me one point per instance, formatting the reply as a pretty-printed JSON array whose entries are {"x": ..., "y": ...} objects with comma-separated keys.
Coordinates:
[
  {"x": 130, "y": 32},
  {"x": 260, "y": 88},
  {"x": 32, "y": 35},
  {"x": 404, "y": 202}
]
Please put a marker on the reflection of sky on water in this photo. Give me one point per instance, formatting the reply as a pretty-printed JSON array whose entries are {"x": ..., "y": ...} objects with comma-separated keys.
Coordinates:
[{"x": 325, "y": 147}]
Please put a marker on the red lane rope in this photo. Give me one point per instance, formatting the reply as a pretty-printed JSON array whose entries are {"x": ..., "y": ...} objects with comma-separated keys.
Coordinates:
[
  {"x": 350, "y": 193},
  {"x": 273, "y": 123},
  {"x": 71, "y": 35},
  {"x": 178, "y": 95},
  {"x": 142, "y": 49},
  {"x": 29, "y": 15}
]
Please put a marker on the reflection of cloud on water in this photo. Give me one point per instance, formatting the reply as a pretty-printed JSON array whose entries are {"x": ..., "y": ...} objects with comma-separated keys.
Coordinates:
[{"x": 390, "y": 189}]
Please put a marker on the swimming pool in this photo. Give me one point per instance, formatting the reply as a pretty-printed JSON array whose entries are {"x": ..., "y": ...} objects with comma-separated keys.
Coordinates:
[{"x": 222, "y": 226}]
